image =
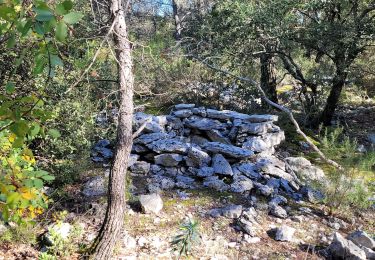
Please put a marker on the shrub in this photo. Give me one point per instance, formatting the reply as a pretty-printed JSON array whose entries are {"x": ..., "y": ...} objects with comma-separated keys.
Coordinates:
[{"x": 188, "y": 237}]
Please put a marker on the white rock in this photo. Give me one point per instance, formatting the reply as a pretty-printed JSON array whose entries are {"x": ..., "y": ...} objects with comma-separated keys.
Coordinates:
[
  {"x": 285, "y": 233},
  {"x": 151, "y": 203}
]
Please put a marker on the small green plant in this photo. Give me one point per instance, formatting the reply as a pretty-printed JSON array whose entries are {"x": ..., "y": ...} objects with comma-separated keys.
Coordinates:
[
  {"x": 188, "y": 237},
  {"x": 46, "y": 256},
  {"x": 348, "y": 187}
]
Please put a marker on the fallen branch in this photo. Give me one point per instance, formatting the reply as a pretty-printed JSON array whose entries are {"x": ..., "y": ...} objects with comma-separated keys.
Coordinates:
[
  {"x": 280, "y": 107},
  {"x": 140, "y": 129}
]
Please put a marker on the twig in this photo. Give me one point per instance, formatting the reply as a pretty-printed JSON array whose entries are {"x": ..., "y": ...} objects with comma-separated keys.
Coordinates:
[
  {"x": 280, "y": 107},
  {"x": 140, "y": 129}
]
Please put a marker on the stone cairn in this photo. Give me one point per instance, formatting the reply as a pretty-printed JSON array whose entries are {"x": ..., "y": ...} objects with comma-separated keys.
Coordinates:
[{"x": 195, "y": 147}]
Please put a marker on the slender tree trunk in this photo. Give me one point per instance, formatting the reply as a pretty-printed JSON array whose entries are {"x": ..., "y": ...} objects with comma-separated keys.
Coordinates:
[
  {"x": 268, "y": 76},
  {"x": 333, "y": 98},
  {"x": 177, "y": 21},
  {"x": 113, "y": 222}
]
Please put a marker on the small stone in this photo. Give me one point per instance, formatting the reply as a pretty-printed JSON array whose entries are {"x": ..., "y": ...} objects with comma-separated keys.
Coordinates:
[
  {"x": 252, "y": 240},
  {"x": 221, "y": 165},
  {"x": 197, "y": 158},
  {"x": 129, "y": 242},
  {"x": 232, "y": 211},
  {"x": 284, "y": 233},
  {"x": 278, "y": 211},
  {"x": 151, "y": 203},
  {"x": 142, "y": 241}
]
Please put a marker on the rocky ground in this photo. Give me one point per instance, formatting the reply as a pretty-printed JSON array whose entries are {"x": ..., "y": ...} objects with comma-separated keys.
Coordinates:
[{"x": 222, "y": 169}]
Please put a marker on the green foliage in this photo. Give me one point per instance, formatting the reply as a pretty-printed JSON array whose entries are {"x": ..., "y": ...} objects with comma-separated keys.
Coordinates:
[
  {"x": 188, "y": 237},
  {"x": 351, "y": 186},
  {"x": 37, "y": 28}
]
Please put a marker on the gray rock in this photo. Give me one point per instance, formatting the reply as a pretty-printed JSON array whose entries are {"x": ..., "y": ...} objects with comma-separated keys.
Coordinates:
[
  {"x": 229, "y": 150},
  {"x": 297, "y": 163},
  {"x": 204, "y": 123},
  {"x": 272, "y": 170},
  {"x": 285, "y": 233},
  {"x": 247, "y": 169},
  {"x": 254, "y": 128},
  {"x": 200, "y": 111},
  {"x": 278, "y": 199},
  {"x": 312, "y": 195},
  {"x": 215, "y": 136},
  {"x": 149, "y": 138},
  {"x": 167, "y": 183},
  {"x": 274, "y": 139},
  {"x": 184, "y": 106},
  {"x": 198, "y": 140},
  {"x": 205, "y": 172},
  {"x": 168, "y": 160},
  {"x": 371, "y": 138},
  {"x": 255, "y": 144},
  {"x": 215, "y": 213},
  {"x": 241, "y": 184},
  {"x": 270, "y": 160},
  {"x": 340, "y": 248},
  {"x": 184, "y": 182},
  {"x": 197, "y": 158},
  {"x": 133, "y": 159},
  {"x": 247, "y": 226},
  {"x": 140, "y": 167},
  {"x": 361, "y": 238},
  {"x": 151, "y": 203},
  {"x": 3, "y": 228},
  {"x": 277, "y": 211},
  {"x": 221, "y": 165},
  {"x": 138, "y": 148},
  {"x": 265, "y": 190},
  {"x": 370, "y": 254},
  {"x": 304, "y": 170},
  {"x": 183, "y": 113},
  {"x": 174, "y": 145},
  {"x": 215, "y": 184},
  {"x": 232, "y": 211},
  {"x": 96, "y": 186},
  {"x": 262, "y": 118},
  {"x": 57, "y": 232}
]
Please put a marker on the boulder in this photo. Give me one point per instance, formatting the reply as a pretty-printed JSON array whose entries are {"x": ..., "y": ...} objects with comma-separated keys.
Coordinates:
[
  {"x": 168, "y": 159},
  {"x": 232, "y": 211},
  {"x": 221, "y": 165},
  {"x": 340, "y": 248},
  {"x": 140, "y": 167},
  {"x": 57, "y": 232},
  {"x": 151, "y": 203},
  {"x": 361, "y": 238},
  {"x": 96, "y": 186},
  {"x": 197, "y": 158},
  {"x": 174, "y": 145},
  {"x": 229, "y": 150},
  {"x": 241, "y": 184},
  {"x": 204, "y": 123},
  {"x": 215, "y": 136},
  {"x": 284, "y": 233},
  {"x": 205, "y": 172},
  {"x": 183, "y": 113}
]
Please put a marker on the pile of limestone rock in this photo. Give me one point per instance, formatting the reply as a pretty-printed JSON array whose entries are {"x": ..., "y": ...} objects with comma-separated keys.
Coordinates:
[{"x": 197, "y": 147}]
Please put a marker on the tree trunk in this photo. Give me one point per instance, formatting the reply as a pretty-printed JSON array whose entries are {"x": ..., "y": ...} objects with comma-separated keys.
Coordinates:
[
  {"x": 333, "y": 98},
  {"x": 334, "y": 95},
  {"x": 177, "y": 21},
  {"x": 268, "y": 76},
  {"x": 113, "y": 222}
]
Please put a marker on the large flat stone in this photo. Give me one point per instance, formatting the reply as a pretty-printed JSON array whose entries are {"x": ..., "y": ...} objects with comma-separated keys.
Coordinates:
[
  {"x": 174, "y": 145},
  {"x": 229, "y": 150},
  {"x": 168, "y": 159},
  {"x": 204, "y": 123}
]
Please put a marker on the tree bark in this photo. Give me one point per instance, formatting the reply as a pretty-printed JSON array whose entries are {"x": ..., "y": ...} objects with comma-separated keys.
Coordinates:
[
  {"x": 114, "y": 217},
  {"x": 177, "y": 20},
  {"x": 268, "y": 80},
  {"x": 333, "y": 98}
]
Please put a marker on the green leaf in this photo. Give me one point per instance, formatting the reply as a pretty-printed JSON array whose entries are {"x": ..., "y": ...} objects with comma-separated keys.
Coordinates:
[
  {"x": 43, "y": 14},
  {"x": 68, "y": 5},
  {"x": 26, "y": 28},
  {"x": 54, "y": 133},
  {"x": 61, "y": 31},
  {"x": 38, "y": 183},
  {"x": 13, "y": 198},
  {"x": 19, "y": 128},
  {"x": 73, "y": 17},
  {"x": 56, "y": 61},
  {"x": 48, "y": 177},
  {"x": 11, "y": 41},
  {"x": 10, "y": 88},
  {"x": 60, "y": 9},
  {"x": 39, "y": 29},
  {"x": 18, "y": 143},
  {"x": 34, "y": 130}
]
